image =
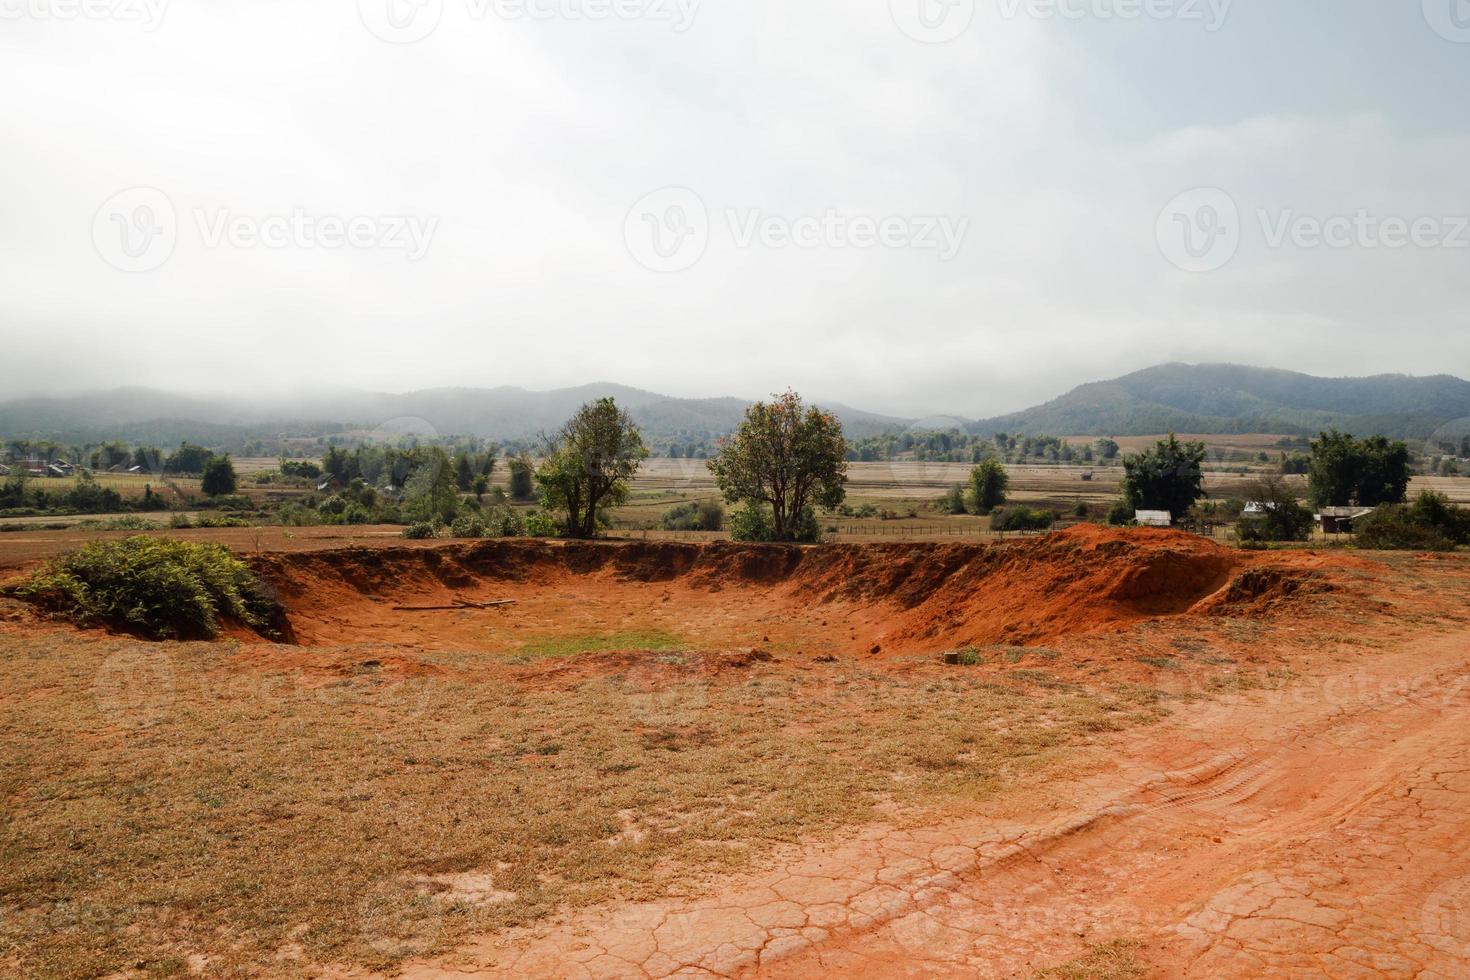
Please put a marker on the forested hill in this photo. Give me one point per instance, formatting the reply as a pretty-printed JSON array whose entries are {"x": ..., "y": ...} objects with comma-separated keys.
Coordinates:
[
  {"x": 1230, "y": 398},
  {"x": 1206, "y": 398},
  {"x": 503, "y": 414}
]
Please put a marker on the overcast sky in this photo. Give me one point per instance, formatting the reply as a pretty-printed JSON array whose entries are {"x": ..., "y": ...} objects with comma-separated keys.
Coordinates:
[{"x": 960, "y": 206}]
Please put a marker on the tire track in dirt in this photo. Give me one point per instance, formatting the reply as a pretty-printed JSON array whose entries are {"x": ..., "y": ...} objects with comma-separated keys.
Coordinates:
[{"x": 1290, "y": 833}]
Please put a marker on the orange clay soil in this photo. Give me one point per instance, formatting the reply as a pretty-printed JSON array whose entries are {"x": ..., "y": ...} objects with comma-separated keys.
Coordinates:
[
  {"x": 1309, "y": 828},
  {"x": 867, "y": 600}
]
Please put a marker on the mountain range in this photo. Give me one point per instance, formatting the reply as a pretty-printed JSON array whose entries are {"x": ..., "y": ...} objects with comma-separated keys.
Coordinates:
[{"x": 1203, "y": 399}]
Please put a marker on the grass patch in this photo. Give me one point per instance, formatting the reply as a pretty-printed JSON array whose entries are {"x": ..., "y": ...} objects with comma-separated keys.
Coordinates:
[
  {"x": 159, "y": 588},
  {"x": 1105, "y": 961},
  {"x": 250, "y": 811},
  {"x": 657, "y": 641}
]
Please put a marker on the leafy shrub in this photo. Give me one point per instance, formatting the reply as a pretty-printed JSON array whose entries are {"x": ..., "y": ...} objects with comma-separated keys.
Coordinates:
[
  {"x": 752, "y": 522},
  {"x": 1434, "y": 510},
  {"x": 702, "y": 515},
  {"x": 1120, "y": 514},
  {"x": 541, "y": 525},
  {"x": 954, "y": 501},
  {"x": 1283, "y": 519},
  {"x": 129, "y": 523},
  {"x": 210, "y": 520},
  {"x": 421, "y": 531},
  {"x": 161, "y": 588},
  {"x": 468, "y": 526},
  {"x": 1432, "y": 523},
  {"x": 1021, "y": 519}
]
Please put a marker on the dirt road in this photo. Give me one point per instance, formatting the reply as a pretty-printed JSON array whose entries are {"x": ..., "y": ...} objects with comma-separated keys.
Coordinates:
[{"x": 1316, "y": 831}]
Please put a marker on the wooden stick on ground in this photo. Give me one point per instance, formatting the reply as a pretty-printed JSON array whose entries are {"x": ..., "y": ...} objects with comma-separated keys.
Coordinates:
[{"x": 458, "y": 605}]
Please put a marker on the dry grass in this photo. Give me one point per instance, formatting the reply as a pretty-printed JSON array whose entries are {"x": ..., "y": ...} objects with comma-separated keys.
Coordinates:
[
  {"x": 165, "y": 803},
  {"x": 1105, "y": 961}
]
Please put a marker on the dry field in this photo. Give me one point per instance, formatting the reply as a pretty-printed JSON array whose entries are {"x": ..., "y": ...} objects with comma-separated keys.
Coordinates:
[{"x": 1155, "y": 757}]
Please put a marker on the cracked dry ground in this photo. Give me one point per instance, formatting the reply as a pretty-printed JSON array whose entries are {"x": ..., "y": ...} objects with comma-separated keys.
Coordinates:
[{"x": 1315, "y": 832}]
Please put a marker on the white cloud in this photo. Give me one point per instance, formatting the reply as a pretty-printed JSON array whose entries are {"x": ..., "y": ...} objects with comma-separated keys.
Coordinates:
[{"x": 529, "y": 142}]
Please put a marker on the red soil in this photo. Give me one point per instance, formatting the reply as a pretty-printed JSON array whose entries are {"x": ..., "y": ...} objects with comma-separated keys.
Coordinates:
[{"x": 894, "y": 599}]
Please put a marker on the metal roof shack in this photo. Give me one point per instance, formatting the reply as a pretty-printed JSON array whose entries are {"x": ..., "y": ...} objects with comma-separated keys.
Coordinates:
[
  {"x": 1339, "y": 520},
  {"x": 1153, "y": 518}
]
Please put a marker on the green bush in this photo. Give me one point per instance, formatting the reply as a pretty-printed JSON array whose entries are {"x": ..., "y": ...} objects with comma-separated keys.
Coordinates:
[
  {"x": 541, "y": 525},
  {"x": 468, "y": 526},
  {"x": 421, "y": 531},
  {"x": 1431, "y": 523},
  {"x": 702, "y": 515},
  {"x": 160, "y": 588},
  {"x": 1021, "y": 519},
  {"x": 752, "y": 522},
  {"x": 1120, "y": 514}
]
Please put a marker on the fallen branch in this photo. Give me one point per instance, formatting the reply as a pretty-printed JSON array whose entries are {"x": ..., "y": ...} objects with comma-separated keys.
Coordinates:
[{"x": 458, "y": 604}]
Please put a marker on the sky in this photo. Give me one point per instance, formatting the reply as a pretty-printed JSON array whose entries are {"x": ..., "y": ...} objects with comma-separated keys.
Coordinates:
[{"x": 909, "y": 206}]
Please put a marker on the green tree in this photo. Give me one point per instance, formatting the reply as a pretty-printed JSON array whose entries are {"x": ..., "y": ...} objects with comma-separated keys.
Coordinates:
[
  {"x": 428, "y": 493},
  {"x": 954, "y": 501},
  {"x": 219, "y": 476},
  {"x": 188, "y": 459},
  {"x": 589, "y": 464},
  {"x": 464, "y": 474},
  {"x": 522, "y": 471},
  {"x": 988, "y": 485},
  {"x": 1168, "y": 477},
  {"x": 1282, "y": 518},
  {"x": 1106, "y": 449},
  {"x": 785, "y": 456},
  {"x": 1345, "y": 470}
]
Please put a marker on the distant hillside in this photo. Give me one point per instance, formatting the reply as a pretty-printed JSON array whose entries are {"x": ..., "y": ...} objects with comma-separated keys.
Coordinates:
[
  {"x": 504, "y": 414},
  {"x": 1216, "y": 399},
  {"x": 1228, "y": 398}
]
